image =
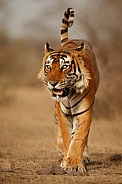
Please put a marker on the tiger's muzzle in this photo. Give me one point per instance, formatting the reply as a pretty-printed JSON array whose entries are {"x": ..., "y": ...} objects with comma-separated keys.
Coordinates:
[
  {"x": 56, "y": 90},
  {"x": 60, "y": 92}
]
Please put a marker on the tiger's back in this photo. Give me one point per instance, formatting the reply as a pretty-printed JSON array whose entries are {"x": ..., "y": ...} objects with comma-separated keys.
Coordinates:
[{"x": 88, "y": 56}]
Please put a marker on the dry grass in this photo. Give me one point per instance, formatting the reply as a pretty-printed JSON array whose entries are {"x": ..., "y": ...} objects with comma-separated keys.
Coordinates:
[
  {"x": 27, "y": 136},
  {"x": 27, "y": 140}
]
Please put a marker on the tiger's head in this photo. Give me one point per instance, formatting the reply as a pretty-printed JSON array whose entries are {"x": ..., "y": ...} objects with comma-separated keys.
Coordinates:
[{"x": 64, "y": 70}]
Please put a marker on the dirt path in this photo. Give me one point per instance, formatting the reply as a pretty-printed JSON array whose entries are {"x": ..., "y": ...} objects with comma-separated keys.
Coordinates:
[{"x": 27, "y": 143}]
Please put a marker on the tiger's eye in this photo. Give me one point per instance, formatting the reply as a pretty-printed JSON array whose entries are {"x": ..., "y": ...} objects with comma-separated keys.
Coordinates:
[
  {"x": 64, "y": 67},
  {"x": 48, "y": 67}
]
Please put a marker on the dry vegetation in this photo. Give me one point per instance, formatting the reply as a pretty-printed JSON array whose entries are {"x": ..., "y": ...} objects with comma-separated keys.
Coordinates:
[
  {"x": 27, "y": 130},
  {"x": 28, "y": 143}
]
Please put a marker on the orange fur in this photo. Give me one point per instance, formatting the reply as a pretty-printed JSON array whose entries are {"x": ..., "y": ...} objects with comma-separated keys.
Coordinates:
[{"x": 72, "y": 122}]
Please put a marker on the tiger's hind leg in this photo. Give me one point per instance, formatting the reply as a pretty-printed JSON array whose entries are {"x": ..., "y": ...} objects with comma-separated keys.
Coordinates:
[{"x": 86, "y": 157}]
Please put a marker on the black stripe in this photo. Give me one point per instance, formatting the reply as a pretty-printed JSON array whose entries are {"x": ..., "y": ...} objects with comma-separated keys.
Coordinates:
[
  {"x": 66, "y": 15},
  {"x": 64, "y": 21},
  {"x": 74, "y": 68},
  {"x": 63, "y": 55},
  {"x": 79, "y": 68},
  {"x": 53, "y": 56},
  {"x": 64, "y": 113},
  {"x": 75, "y": 96},
  {"x": 66, "y": 106},
  {"x": 73, "y": 133},
  {"x": 72, "y": 14},
  {"x": 66, "y": 62},
  {"x": 72, "y": 62},
  {"x": 69, "y": 70},
  {"x": 64, "y": 31},
  {"x": 71, "y": 93},
  {"x": 70, "y": 10},
  {"x": 72, "y": 75},
  {"x": 81, "y": 99},
  {"x": 77, "y": 114},
  {"x": 64, "y": 40},
  {"x": 70, "y": 23}
]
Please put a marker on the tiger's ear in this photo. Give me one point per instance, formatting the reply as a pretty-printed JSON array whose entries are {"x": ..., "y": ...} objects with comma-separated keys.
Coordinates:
[
  {"x": 81, "y": 48},
  {"x": 48, "y": 48}
]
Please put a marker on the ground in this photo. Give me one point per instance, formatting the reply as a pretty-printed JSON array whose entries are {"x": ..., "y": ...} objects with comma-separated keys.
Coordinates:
[{"x": 27, "y": 143}]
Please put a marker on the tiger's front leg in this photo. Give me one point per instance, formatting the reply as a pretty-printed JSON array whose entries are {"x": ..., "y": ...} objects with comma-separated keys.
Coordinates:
[
  {"x": 81, "y": 126},
  {"x": 63, "y": 132}
]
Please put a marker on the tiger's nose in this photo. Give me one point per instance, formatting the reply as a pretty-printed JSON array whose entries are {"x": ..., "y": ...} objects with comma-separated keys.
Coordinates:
[{"x": 53, "y": 83}]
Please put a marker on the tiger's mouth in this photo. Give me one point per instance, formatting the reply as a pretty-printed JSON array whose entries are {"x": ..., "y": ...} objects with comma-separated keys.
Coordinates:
[{"x": 60, "y": 92}]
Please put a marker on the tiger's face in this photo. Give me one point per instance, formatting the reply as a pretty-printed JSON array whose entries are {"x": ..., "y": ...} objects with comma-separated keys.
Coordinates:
[
  {"x": 57, "y": 73},
  {"x": 62, "y": 72}
]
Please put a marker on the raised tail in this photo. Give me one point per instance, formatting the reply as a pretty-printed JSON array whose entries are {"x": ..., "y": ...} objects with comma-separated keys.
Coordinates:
[{"x": 67, "y": 21}]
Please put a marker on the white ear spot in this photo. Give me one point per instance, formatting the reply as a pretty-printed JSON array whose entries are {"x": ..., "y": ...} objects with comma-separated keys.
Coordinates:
[{"x": 81, "y": 47}]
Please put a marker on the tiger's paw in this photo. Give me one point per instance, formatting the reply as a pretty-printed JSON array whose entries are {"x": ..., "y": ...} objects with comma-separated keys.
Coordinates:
[
  {"x": 73, "y": 167},
  {"x": 86, "y": 160}
]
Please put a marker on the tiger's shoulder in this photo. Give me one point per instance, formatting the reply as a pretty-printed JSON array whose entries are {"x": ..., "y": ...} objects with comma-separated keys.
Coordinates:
[{"x": 87, "y": 55}]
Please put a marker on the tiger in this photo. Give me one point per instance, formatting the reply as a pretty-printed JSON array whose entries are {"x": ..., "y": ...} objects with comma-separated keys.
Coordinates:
[{"x": 71, "y": 75}]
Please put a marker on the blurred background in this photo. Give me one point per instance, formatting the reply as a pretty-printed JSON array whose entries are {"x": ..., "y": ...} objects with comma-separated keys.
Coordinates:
[{"x": 25, "y": 26}]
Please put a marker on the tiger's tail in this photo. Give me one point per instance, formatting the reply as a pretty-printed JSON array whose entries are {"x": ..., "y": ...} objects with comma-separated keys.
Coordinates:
[{"x": 67, "y": 21}]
